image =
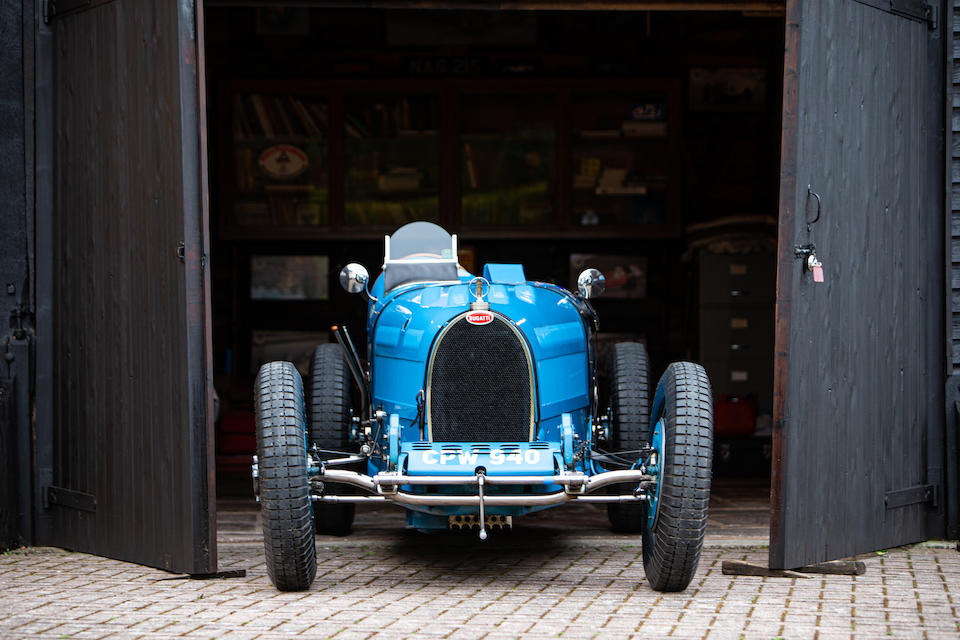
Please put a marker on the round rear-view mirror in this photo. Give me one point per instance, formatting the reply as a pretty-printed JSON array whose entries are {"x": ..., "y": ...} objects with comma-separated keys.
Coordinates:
[
  {"x": 591, "y": 283},
  {"x": 354, "y": 278}
]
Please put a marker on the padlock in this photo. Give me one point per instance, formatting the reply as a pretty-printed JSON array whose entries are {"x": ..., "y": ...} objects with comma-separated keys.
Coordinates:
[{"x": 815, "y": 266}]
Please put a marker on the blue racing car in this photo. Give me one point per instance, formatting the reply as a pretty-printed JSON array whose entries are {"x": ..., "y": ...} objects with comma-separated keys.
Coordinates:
[{"x": 478, "y": 403}]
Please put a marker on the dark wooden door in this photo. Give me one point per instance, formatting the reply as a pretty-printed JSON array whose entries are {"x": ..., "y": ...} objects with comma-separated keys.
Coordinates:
[
  {"x": 859, "y": 418},
  {"x": 124, "y": 404}
]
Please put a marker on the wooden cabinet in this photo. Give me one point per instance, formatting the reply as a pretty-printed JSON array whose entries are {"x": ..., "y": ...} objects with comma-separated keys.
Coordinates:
[
  {"x": 621, "y": 153},
  {"x": 280, "y": 160},
  {"x": 508, "y": 147},
  {"x": 737, "y": 304},
  {"x": 483, "y": 157},
  {"x": 391, "y": 156}
]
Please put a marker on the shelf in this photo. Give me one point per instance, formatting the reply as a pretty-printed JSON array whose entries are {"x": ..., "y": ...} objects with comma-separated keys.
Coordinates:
[
  {"x": 615, "y": 136},
  {"x": 501, "y": 138},
  {"x": 399, "y": 193},
  {"x": 419, "y": 139},
  {"x": 475, "y": 155},
  {"x": 261, "y": 141}
]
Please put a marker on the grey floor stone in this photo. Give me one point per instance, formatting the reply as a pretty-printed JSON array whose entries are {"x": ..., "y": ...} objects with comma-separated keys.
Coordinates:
[
  {"x": 565, "y": 577},
  {"x": 522, "y": 586}
]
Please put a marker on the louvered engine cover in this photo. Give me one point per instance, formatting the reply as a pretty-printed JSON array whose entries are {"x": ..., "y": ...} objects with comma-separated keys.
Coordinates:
[{"x": 480, "y": 387}]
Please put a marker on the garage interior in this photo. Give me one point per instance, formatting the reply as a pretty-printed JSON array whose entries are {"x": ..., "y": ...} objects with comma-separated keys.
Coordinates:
[{"x": 646, "y": 144}]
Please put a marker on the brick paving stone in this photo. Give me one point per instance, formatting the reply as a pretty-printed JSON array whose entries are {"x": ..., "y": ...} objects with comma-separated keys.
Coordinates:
[{"x": 436, "y": 587}]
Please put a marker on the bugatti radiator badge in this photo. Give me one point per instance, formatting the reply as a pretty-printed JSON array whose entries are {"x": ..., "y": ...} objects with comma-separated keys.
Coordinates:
[{"x": 479, "y": 317}]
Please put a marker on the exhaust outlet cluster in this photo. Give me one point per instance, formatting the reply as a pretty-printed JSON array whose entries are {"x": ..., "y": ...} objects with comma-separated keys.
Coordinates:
[{"x": 471, "y": 523}]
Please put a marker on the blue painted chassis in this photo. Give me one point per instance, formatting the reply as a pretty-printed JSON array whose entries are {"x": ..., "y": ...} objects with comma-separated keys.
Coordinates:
[{"x": 558, "y": 329}]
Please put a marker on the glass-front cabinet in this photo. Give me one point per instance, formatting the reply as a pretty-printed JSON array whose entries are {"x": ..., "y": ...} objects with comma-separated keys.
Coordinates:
[
  {"x": 561, "y": 157},
  {"x": 508, "y": 152},
  {"x": 392, "y": 158},
  {"x": 281, "y": 160},
  {"x": 620, "y": 155}
]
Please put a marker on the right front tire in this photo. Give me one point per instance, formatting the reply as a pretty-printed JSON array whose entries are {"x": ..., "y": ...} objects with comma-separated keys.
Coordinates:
[
  {"x": 675, "y": 515},
  {"x": 284, "y": 487},
  {"x": 330, "y": 429}
]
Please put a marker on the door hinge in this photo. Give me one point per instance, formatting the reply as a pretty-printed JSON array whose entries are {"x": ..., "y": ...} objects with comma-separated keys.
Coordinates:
[
  {"x": 911, "y": 9},
  {"x": 54, "y": 8},
  {"x": 915, "y": 10},
  {"x": 914, "y": 495},
  {"x": 58, "y": 496}
]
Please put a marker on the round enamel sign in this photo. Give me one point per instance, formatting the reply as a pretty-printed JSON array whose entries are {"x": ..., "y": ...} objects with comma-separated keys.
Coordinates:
[{"x": 283, "y": 161}]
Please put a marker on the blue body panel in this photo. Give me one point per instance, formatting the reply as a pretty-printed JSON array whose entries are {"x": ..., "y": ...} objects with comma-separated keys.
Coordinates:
[
  {"x": 402, "y": 326},
  {"x": 404, "y": 323}
]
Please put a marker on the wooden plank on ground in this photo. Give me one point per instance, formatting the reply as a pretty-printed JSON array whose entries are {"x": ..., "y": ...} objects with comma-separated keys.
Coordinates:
[{"x": 834, "y": 567}]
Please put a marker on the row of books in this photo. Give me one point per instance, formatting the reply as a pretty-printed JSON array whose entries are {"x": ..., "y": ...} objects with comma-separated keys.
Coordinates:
[
  {"x": 386, "y": 119},
  {"x": 258, "y": 116}
]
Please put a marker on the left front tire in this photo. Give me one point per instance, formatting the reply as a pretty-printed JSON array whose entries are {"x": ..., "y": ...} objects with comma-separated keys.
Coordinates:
[
  {"x": 284, "y": 487},
  {"x": 630, "y": 420}
]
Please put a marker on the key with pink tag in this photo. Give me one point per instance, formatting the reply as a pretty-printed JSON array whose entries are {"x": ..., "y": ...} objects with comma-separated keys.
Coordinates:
[{"x": 816, "y": 267}]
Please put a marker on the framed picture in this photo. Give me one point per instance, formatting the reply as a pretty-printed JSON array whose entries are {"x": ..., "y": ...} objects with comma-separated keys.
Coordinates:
[
  {"x": 289, "y": 277},
  {"x": 728, "y": 89},
  {"x": 626, "y": 276}
]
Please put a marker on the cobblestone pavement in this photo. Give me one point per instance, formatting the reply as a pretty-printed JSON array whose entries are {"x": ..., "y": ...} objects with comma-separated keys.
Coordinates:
[{"x": 549, "y": 579}]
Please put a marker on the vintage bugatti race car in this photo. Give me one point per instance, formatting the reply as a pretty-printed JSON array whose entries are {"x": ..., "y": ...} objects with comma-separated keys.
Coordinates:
[{"x": 478, "y": 403}]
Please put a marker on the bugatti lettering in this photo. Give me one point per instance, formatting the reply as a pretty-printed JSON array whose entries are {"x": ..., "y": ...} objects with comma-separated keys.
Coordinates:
[
  {"x": 464, "y": 407},
  {"x": 530, "y": 456},
  {"x": 479, "y": 317}
]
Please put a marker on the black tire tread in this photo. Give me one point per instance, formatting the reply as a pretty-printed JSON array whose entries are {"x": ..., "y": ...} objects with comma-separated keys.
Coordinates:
[
  {"x": 630, "y": 395},
  {"x": 671, "y": 553},
  {"x": 329, "y": 397},
  {"x": 329, "y": 428},
  {"x": 284, "y": 488},
  {"x": 630, "y": 405}
]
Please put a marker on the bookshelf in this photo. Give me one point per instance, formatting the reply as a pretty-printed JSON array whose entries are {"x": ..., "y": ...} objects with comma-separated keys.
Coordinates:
[
  {"x": 281, "y": 160},
  {"x": 484, "y": 157},
  {"x": 508, "y": 148},
  {"x": 620, "y": 154},
  {"x": 392, "y": 158}
]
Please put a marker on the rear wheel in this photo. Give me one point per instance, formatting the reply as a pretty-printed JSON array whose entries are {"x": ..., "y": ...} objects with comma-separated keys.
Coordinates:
[
  {"x": 629, "y": 420},
  {"x": 675, "y": 514},
  {"x": 330, "y": 428},
  {"x": 283, "y": 485}
]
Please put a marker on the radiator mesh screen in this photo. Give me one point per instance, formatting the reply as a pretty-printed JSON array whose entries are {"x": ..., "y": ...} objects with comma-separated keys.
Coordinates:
[{"x": 480, "y": 385}]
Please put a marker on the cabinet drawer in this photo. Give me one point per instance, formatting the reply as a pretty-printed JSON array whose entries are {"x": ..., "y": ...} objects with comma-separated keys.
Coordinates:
[
  {"x": 727, "y": 330},
  {"x": 732, "y": 278},
  {"x": 743, "y": 374}
]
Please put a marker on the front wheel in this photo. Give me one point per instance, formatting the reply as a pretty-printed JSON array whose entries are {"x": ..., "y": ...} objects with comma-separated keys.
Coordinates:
[
  {"x": 675, "y": 513},
  {"x": 284, "y": 487},
  {"x": 629, "y": 415},
  {"x": 330, "y": 428}
]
